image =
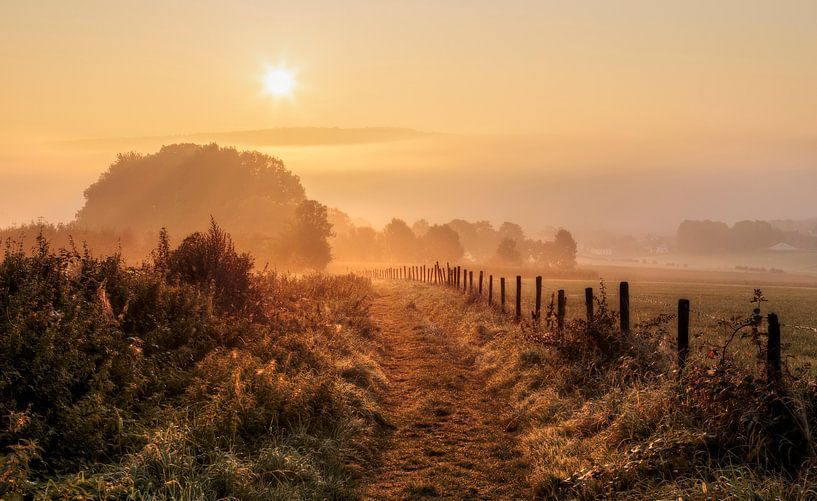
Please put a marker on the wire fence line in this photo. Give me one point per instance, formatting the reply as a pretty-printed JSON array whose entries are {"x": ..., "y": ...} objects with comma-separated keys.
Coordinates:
[{"x": 478, "y": 283}]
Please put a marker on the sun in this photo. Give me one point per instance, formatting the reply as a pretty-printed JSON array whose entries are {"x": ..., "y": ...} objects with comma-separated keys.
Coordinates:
[{"x": 279, "y": 81}]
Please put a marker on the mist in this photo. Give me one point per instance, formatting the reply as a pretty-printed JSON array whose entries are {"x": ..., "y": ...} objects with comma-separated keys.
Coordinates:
[{"x": 624, "y": 185}]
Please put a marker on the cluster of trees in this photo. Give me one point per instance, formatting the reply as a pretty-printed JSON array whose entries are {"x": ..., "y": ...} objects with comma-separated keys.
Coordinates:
[
  {"x": 183, "y": 186},
  {"x": 458, "y": 239},
  {"x": 264, "y": 206},
  {"x": 713, "y": 236}
]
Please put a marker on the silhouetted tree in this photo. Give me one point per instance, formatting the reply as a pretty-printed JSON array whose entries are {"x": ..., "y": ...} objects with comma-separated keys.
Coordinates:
[
  {"x": 702, "y": 236},
  {"x": 401, "y": 243},
  {"x": 442, "y": 243},
  {"x": 307, "y": 239},
  {"x": 564, "y": 250},
  {"x": 420, "y": 227},
  {"x": 183, "y": 184},
  {"x": 512, "y": 231},
  {"x": 507, "y": 253}
]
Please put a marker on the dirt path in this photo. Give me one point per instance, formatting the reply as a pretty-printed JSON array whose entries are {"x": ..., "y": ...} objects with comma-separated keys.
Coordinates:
[{"x": 449, "y": 441}]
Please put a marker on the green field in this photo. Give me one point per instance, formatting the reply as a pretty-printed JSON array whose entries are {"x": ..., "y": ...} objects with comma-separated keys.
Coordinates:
[{"x": 795, "y": 306}]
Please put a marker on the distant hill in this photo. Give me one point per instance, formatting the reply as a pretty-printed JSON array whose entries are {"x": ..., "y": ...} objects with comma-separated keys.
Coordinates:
[{"x": 282, "y": 136}]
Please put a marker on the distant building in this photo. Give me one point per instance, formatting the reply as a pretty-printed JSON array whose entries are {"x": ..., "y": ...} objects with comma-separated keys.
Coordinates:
[
  {"x": 603, "y": 251},
  {"x": 782, "y": 247}
]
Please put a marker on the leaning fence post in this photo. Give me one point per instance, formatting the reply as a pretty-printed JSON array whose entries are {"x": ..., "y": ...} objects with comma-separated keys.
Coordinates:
[
  {"x": 490, "y": 290},
  {"x": 561, "y": 306},
  {"x": 538, "y": 309},
  {"x": 773, "y": 364},
  {"x": 588, "y": 302},
  {"x": 502, "y": 293},
  {"x": 480, "y": 282},
  {"x": 624, "y": 306},
  {"x": 683, "y": 332}
]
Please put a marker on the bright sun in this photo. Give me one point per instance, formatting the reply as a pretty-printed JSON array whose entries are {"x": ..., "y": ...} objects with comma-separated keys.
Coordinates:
[{"x": 279, "y": 81}]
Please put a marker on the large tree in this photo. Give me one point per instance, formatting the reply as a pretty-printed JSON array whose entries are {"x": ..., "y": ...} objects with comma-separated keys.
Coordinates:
[
  {"x": 564, "y": 250},
  {"x": 307, "y": 239},
  {"x": 401, "y": 243},
  {"x": 442, "y": 243},
  {"x": 182, "y": 185}
]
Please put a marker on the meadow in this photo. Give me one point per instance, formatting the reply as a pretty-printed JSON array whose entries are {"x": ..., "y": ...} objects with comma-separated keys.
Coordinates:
[{"x": 709, "y": 304}]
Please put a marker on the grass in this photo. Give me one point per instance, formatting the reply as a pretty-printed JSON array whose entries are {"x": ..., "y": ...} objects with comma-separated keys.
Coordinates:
[
  {"x": 599, "y": 420},
  {"x": 136, "y": 383},
  {"x": 796, "y": 306}
]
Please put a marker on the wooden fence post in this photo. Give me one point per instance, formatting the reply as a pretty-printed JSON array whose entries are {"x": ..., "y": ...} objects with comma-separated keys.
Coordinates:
[
  {"x": 538, "y": 308},
  {"x": 480, "y": 282},
  {"x": 518, "y": 314},
  {"x": 683, "y": 332},
  {"x": 624, "y": 306},
  {"x": 588, "y": 302},
  {"x": 561, "y": 307},
  {"x": 470, "y": 282},
  {"x": 773, "y": 365},
  {"x": 490, "y": 290},
  {"x": 464, "y": 280},
  {"x": 502, "y": 293}
]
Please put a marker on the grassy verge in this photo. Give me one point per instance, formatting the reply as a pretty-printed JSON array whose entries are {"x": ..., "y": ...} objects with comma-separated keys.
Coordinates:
[
  {"x": 182, "y": 381},
  {"x": 603, "y": 414}
]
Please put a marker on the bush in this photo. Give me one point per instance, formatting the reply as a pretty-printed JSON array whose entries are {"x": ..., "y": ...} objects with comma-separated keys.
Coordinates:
[{"x": 185, "y": 378}]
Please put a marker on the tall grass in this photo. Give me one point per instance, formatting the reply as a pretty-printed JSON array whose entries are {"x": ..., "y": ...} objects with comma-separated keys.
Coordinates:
[
  {"x": 606, "y": 414},
  {"x": 146, "y": 382}
]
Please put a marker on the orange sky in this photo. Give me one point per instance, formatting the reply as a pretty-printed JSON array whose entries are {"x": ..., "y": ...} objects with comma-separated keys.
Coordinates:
[
  {"x": 601, "y": 86},
  {"x": 590, "y": 68}
]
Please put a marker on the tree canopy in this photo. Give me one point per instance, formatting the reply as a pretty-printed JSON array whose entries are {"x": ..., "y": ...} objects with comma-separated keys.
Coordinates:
[{"x": 183, "y": 185}]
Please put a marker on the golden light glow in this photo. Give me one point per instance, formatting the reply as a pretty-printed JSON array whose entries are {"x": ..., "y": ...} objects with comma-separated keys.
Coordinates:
[{"x": 279, "y": 81}]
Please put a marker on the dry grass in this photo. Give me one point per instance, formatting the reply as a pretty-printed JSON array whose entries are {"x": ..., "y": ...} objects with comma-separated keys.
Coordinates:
[
  {"x": 185, "y": 402},
  {"x": 596, "y": 426}
]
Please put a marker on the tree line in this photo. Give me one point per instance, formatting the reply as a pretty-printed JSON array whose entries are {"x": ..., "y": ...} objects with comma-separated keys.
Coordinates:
[
  {"x": 507, "y": 245},
  {"x": 714, "y": 236}
]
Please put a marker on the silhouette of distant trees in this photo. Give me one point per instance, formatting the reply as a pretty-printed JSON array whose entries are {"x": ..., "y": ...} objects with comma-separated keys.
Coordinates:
[
  {"x": 478, "y": 241},
  {"x": 715, "y": 236},
  {"x": 182, "y": 186}
]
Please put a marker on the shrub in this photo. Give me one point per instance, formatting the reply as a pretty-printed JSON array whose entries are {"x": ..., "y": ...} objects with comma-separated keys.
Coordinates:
[{"x": 186, "y": 378}]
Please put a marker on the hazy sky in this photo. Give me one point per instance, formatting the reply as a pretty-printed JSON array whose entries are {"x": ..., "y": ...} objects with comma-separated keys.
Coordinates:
[
  {"x": 660, "y": 78},
  {"x": 95, "y": 68}
]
